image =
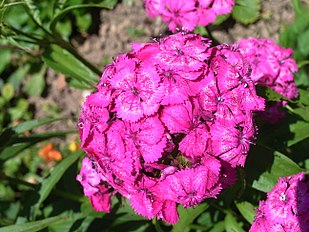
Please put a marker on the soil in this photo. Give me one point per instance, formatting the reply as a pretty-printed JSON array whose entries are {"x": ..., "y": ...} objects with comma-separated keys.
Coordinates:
[{"x": 129, "y": 23}]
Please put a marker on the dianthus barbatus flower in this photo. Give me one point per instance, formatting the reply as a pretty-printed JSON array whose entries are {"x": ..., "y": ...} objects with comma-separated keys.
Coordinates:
[
  {"x": 94, "y": 188},
  {"x": 272, "y": 65},
  {"x": 286, "y": 207},
  {"x": 168, "y": 124},
  {"x": 186, "y": 14}
]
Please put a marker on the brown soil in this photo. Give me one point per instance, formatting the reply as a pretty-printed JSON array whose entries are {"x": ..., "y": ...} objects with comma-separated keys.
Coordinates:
[{"x": 129, "y": 23}]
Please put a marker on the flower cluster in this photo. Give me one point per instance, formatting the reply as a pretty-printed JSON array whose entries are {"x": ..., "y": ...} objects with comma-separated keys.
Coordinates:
[
  {"x": 286, "y": 207},
  {"x": 168, "y": 124},
  {"x": 272, "y": 65},
  {"x": 187, "y": 14}
]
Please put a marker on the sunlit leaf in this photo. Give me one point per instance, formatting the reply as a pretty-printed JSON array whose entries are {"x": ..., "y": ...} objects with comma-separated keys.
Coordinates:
[
  {"x": 246, "y": 11},
  {"x": 300, "y": 129},
  {"x": 36, "y": 84},
  {"x": 247, "y": 210},
  {"x": 63, "y": 61},
  {"x": 33, "y": 226},
  {"x": 34, "y": 11},
  {"x": 281, "y": 166},
  {"x": 187, "y": 216},
  {"x": 231, "y": 224},
  {"x": 7, "y": 91}
]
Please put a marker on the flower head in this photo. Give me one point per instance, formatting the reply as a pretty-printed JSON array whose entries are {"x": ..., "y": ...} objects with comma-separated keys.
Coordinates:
[{"x": 167, "y": 125}]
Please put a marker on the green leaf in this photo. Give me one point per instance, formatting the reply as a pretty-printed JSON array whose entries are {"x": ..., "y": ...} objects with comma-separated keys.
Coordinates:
[
  {"x": 221, "y": 18},
  {"x": 218, "y": 227},
  {"x": 33, "y": 226},
  {"x": 16, "y": 77},
  {"x": 303, "y": 44},
  {"x": 17, "y": 145},
  {"x": 231, "y": 224},
  {"x": 59, "y": 5},
  {"x": 300, "y": 129},
  {"x": 281, "y": 166},
  {"x": 247, "y": 210},
  {"x": 83, "y": 22},
  {"x": 34, "y": 11},
  {"x": 19, "y": 110},
  {"x": 63, "y": 61},
  {"x": 5, "y": 57},
  {"x": 302, "y": 112},
  {"x": 7, "y": 91},
  {"x": 48, "y": 184},
  {"x": 108, "y": 4},
  {"x": 246, "y": 11},
  {"x": 36, "y": 84},
  {"x": 304, "y": 96},
  {"x": 270, "y": 94},
  {"x": 29, "y": 125},
  {"x": 289, "y": 37},
  {"x": 187, "y": 216}
]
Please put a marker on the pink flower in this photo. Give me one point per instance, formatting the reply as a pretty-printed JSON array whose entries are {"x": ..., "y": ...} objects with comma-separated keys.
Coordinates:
[
  {"x": 189, "y": 186},
  {"x": 286, "y": 207},
  {"x": 231, "y": 143},
  {"x": 272, "y": 65},
  {"x": 187, "y": 14},
  {"x": 91, "y": 179},
  {"x": 146, "y": 136},
  {"x": 182, "y": 119},
  {"x": 138, "y": 92},
  {"x": 179, "y": 14},
  {"x": 182, "y": 53},
  {"x": 168, "y": 124}
]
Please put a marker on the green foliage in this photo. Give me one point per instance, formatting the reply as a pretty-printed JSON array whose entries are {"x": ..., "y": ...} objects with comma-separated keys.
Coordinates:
[
  {"x": 246, "y": 11},
  {"x": 63, "y": 61},
  {"x": 36, "y": 194}
]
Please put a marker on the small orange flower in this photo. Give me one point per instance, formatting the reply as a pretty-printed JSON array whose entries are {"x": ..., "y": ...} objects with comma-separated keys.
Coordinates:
[{"x": 49, "y": 153}]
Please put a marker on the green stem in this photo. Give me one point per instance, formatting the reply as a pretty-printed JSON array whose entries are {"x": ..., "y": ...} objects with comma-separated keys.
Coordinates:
[
  {"x": 289, "y": 108},
  {"x": 10, "y": 4}
]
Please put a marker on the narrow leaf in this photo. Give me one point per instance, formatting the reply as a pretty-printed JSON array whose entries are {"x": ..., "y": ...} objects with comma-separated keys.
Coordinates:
[
  {"x": 33, "y": 226},
  {"x": 29, "y": 125},
  {"x": 34, "y": 11},
  {"x": 63, "y": 61},
  {"x": 48, "y": 184},
  {"x": 18, "y": 144}
]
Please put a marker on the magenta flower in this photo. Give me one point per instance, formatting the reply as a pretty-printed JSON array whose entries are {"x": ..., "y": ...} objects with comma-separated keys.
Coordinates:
[
  {"x": 138, "y": 92},
  {"x": 168, "y": 124},
  {"x": 272, "y": 65},
  {"x": 91, "y": 179},
  {"x": 182, "y": 119},
  {"x": 231, "y": 143},
  {"x": 189, "y": 186},
  {"x": 187, "y": 14},
  {"x": 286, "y": 207}
]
